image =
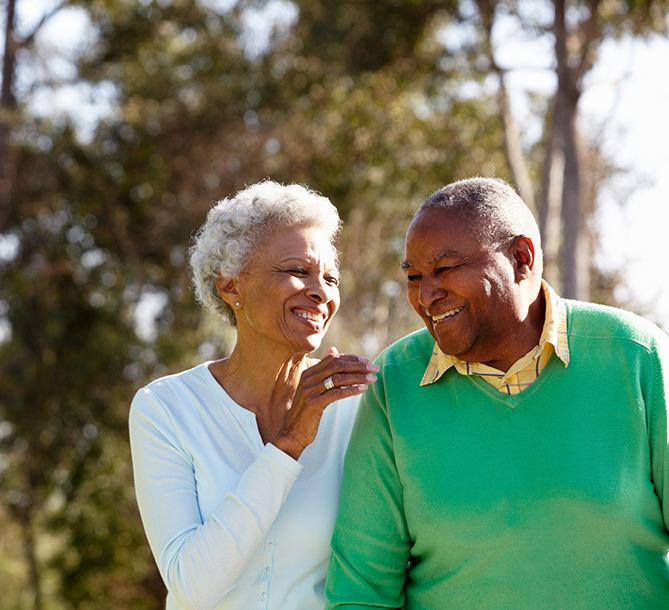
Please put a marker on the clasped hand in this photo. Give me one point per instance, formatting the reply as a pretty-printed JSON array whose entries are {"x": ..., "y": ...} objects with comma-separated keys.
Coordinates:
[{"x": 350, "y": 375}]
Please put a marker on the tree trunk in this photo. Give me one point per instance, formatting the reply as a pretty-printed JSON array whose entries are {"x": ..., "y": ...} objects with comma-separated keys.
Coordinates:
[
  {"x": 514, "y": 152},
  {"x": 23, "y": 514},
  {"x": 7, "y": 106},
  {"x": 575, "y": 259},
  {"x": 550, "y": 211}
]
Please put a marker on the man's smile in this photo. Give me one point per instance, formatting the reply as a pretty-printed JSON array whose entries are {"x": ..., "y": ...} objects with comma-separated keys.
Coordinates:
[{"x": 448, "y": 314}]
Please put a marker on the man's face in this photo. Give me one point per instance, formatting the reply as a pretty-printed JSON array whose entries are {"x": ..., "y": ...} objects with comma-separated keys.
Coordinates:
[{"x": 463, "y": 289}]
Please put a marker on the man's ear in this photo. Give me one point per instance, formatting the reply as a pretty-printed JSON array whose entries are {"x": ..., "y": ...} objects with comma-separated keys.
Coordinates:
[
  {"x": 229, "y": 291},
  {"x": 524, "y": 256}
]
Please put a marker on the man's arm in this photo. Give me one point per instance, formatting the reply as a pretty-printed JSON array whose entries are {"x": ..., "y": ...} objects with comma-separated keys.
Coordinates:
[
  {"x": 371, "y": 543},
  {"x": 657, "y": 406}
]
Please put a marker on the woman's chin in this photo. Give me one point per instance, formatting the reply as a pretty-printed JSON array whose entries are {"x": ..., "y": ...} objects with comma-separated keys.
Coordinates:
[
  {"x": 314, "y": 345},
  {"x": 312, "y": 342}
]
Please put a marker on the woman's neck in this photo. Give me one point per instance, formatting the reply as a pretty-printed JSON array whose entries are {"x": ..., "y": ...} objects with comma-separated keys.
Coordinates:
[{"x": 262, "y": 384}]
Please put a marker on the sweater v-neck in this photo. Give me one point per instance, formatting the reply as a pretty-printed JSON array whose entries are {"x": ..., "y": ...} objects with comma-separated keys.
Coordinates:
[{"x": 515, "y": 401}]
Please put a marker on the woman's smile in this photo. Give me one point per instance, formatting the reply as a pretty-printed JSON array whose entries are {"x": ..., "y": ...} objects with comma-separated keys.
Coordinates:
[{"x": 315, "y": 320}]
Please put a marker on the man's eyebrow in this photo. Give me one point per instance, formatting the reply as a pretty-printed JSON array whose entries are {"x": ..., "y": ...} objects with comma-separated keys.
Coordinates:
[
  {"x": 404, "y": 265},
  {"x": 444, "y": 254}
]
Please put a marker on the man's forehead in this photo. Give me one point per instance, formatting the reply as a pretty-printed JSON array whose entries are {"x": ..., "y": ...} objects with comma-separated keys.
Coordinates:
[{"x": 439, "y": 223}]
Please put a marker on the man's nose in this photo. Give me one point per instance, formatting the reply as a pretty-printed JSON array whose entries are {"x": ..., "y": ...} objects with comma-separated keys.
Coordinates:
[{"x": 430, "y": 291}]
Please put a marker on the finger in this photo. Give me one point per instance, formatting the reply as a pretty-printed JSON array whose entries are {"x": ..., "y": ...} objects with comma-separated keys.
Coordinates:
[
  {"x": 337, "y": 393},
  {"x": 335, "y": 363},
  {"x": 352, "y": 357},
  {"x": 340, "y": 375},
  {"x": 333, "y": 354},
  {"x": 348, "y": 363},
  {"x": 340, "y": 380}
]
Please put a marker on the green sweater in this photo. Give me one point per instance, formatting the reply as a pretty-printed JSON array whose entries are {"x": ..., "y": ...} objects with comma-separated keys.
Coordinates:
[{"x": 556, "y": 498}]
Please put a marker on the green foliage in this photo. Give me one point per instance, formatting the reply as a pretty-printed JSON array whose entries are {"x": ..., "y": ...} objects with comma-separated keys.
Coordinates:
[
  {"x": 103, "y": 561},
  {"x": 63, "y": 368}
]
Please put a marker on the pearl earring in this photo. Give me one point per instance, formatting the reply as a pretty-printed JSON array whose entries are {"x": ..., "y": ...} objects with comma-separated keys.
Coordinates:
[{"x": 238, "y": 304}]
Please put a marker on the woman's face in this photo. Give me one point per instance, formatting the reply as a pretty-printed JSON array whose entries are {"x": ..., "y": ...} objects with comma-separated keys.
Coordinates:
[{"x": 289, "y": 293}]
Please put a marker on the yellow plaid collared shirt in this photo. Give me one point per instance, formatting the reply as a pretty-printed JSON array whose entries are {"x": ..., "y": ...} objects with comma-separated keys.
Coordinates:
[{"x": 526, "y": 370}]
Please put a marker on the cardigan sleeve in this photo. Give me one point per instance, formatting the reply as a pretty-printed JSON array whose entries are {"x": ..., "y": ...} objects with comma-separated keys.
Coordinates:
[
  {"x": 371, "y": 543},
  {"x": 657, "y": 402},
  {"x": 200, "y": 562}
]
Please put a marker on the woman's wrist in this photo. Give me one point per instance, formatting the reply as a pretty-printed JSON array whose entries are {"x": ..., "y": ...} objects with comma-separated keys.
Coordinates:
[{"x": 289, "y": 446}]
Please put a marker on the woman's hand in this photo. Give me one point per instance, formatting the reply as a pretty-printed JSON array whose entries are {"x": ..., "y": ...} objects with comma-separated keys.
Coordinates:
[{"x": 350, "y": 375}]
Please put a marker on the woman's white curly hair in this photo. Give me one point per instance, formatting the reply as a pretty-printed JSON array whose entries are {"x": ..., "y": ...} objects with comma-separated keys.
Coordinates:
[{"x": 236, "y": 225}]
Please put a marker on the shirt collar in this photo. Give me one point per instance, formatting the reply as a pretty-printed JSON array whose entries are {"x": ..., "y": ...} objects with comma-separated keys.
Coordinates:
[{"x": 554, "y": 333}]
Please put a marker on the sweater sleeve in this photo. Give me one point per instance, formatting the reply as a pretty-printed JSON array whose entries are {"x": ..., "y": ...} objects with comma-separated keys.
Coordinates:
[
  {"x": 657, "y": 404},
  {"x": 200, "y": 562},
  {"x": 370, "y": 544}
]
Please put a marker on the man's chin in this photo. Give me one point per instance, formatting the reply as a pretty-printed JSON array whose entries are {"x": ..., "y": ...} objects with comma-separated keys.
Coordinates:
[{"x": 450, "y": 347}]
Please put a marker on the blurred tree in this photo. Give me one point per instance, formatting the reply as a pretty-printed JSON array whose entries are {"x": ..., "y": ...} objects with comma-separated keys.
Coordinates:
[
  {"x": 562, "y": 185},
  {"x": 64, "y": 368}
]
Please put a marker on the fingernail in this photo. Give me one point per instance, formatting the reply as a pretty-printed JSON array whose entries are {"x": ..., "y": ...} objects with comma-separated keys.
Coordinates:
[{"x": 371, "y": 378}]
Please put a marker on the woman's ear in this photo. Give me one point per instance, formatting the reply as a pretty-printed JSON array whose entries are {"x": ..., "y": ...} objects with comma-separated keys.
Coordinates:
[
  {"x": 229, "y": 291},
  {"x": 524, "y": 256}
]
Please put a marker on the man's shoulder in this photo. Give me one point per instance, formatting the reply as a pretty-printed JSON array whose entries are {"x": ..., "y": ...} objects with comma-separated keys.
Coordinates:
[
  {"x": 595, "y": 320},
  {"x": 415, "y": 347}
]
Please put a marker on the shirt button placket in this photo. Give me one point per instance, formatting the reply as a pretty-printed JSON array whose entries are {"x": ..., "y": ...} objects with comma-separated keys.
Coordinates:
[{"x": 266, "y": 570}]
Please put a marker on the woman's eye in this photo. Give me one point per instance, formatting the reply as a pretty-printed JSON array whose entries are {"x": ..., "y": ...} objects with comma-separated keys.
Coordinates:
[
  {"x": 333, "y": 281},
  {"x": 297, "y": 271},
  {"x": 412, "y": 278}
]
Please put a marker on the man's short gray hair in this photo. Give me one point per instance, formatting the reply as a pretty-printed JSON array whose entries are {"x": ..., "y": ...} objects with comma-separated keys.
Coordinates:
[
  {"x": 490, "y": 207},
  {"x": 235, "y": 226}
]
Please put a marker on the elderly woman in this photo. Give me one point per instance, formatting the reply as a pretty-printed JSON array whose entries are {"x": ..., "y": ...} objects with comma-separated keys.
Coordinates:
[{"x": 238, "y": 462}]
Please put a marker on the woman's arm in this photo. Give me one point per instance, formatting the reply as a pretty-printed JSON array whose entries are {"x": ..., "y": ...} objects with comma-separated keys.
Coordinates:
[{"x": 200, "y": 562}]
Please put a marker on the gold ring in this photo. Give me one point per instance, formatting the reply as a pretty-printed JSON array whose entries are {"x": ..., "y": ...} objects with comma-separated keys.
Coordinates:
[{"x": 329, "y": 384}]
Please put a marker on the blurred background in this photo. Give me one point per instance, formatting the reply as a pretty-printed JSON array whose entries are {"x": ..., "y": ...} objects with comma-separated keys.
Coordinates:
[{"x": 121, "y": 121}]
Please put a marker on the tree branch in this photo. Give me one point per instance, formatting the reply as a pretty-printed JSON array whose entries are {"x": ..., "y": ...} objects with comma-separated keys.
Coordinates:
[
  {"x": 589, "y": 30},
  {"x": 514, "y": 152},
  {"x": 7, "y": 99}
]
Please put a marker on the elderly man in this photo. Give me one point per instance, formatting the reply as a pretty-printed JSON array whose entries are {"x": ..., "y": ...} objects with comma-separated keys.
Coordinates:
[{"x": 513, "y": 454}]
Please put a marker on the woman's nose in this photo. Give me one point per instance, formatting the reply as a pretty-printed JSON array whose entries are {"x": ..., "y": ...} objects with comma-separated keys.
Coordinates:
[{"x": 318, "y": 290}]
